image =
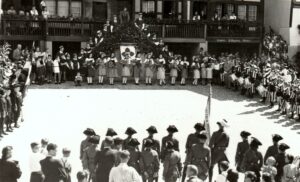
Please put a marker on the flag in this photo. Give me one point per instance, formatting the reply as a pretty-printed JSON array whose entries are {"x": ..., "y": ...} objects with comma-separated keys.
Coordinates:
[{"x": 207, "y": 113}]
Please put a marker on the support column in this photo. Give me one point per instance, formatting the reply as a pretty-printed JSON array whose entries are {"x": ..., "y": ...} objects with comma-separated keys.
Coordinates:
[
  {"x": 159, "y": 9},
  {"x": 188, "y": 10},
  {"x": 137, "y": 9},
  {"x": 48, "y": 45}
]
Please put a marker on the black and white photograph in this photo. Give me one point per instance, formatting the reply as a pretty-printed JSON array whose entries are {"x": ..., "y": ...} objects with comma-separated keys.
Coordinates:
[{"x": 150, "y": 91}]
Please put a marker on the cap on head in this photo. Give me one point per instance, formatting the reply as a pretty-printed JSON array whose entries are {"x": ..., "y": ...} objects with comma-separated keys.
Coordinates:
[
  {"x": 223, "y": 123},
  {"x": 148, "y": 143},
  {"x": 66, "y": 151},
  {"x": 109, "y": 140},
  {"x": 118, "y": 141}
]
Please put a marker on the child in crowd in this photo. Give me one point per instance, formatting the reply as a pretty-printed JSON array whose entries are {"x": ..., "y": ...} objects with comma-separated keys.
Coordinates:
[
  {"x": 49, "y": 69},
  {"x": 137, "y": 68},
  {"x": 91, "y": 70},
  {"x": 78, "y": 79},
  {"x": 101, "y": 68},
  {"x": 66, "y": 164},
  {"x": 269, "y": 167},
  {"x": 149, "y": 63},
  {"x": 196, "y": 72},
  {"x": 56, "y": 70},
  {"x": 174, "y": 70}
]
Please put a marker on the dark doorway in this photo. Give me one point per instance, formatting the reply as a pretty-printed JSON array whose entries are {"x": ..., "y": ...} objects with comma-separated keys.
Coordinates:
[
  {"x": 169, "y": 9},
  {"x": 184, "y": 49},
  {"x": 99, "y": 10},
  {"x": 70, "y": 47},
  {"x": 121, "y": 4},
  {"x": 199, "y": 6},
  {"x": 244, "y": 49}
]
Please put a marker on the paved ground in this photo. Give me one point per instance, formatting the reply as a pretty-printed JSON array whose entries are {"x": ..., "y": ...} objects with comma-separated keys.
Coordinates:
[{"x": 62, "y": 115}]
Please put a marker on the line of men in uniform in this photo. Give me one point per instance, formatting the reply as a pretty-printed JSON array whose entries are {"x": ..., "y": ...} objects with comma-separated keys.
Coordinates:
[{"x": 203, "y": 154}]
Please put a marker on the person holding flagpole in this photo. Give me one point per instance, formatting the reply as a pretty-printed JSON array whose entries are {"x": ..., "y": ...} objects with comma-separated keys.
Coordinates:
[{"x": 218, "y": 144}]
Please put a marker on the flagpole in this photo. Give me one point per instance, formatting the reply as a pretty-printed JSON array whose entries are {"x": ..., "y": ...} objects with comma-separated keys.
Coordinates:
[{"x": 207, "y": 113}]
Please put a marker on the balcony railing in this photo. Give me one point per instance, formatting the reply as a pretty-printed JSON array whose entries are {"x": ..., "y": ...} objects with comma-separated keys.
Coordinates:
[{"x": 45, "y": 29}]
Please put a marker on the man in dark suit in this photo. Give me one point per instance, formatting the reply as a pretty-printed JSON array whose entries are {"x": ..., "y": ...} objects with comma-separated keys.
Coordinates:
[
  {"x": 9, "y": 169},
  {"x": 53, "y": 169},
  {"x": 105, "y": 160}
]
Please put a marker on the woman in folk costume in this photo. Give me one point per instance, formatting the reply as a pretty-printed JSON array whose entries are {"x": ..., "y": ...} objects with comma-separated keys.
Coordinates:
[
  {"x": 203, "y": 70},
  {"x": 126, "y": 62},
  {"x": 253, "y": 74},
  {"x": 70, "y": 67},
  {"x": 137, "y": 68},
  {"x": 279, "y": 92},
  {"x": 174, "y": 63},
  {"x": 112, "y": 68},
  {"x": 91, "y": 69},
  {"x": 196, "y": 72},
  {"x": 101, "y": 68},
  {"x": 149, "y": 65},
  {"x": 209, "y": 72},
  {"x": 161, "y": 72},
  {"x": 216, "y": 71},
  {"x": 286, "y": 98},
  {"x": 184, "y": 65}
]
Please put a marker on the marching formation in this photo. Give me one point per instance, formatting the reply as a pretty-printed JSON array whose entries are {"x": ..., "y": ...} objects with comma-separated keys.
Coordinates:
[
  {"x": 13, "y": 78},
  {"x": 130, "y": 159}
]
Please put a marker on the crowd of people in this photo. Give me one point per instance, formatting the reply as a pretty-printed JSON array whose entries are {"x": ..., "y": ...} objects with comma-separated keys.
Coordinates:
[
  {"x": 121, "y": 160},
  {"x": 13, "y": 78}
]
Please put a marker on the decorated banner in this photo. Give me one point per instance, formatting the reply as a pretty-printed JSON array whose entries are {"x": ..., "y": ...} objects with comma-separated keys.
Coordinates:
[{"x": 128, "y": 50}]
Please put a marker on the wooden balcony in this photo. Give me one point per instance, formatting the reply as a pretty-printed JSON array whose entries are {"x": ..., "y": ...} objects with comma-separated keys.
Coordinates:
[{"x": 170, "y": 31}]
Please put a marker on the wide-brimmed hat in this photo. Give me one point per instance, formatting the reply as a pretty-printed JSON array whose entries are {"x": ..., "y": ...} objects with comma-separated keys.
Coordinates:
[
  {"x": 89, "y": 132},
  {"x": 111, "y": 132}
]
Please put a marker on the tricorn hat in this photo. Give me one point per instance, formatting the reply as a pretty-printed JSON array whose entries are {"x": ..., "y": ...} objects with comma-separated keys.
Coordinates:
[
  {"x": 133, "y": 142},
  {"x": 283, "y": 147},
  {"x": 111, "y": 132},
  {"x": 130, "y": 131},
  {"x": 199, "y": 126},
  {"x": 245, "y": 134},
  {"x": 89, "y": 132},
  {"x": 276, "y": 137},
  {"x": 148, "y": 143},
  {"x": 152, "y": 129},
  {"x": 255, "y": 142},
  {"x": 172, "y": 129}
]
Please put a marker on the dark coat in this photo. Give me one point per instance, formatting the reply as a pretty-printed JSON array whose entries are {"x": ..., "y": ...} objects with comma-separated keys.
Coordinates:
[
  {"x": 271, "y": 151},
  {"x": 104, "y": 161},
  {"x": 218, "y": 143},
  {"x": 53, "y": 170},
  {"x": 280, "y": 163},
  {"x": 242, "y": 148},
  {"x": 9, "y": 171},
  {"x": 164, "y": 143}
]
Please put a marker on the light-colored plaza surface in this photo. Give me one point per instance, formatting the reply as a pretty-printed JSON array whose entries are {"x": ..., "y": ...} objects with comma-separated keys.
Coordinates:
[{"x": 62, "y": 114}]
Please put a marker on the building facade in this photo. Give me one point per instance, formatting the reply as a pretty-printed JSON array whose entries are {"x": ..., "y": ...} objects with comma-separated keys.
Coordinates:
[
  {"x": 173, "y": 22},
  {"x": 283, "y": 16}
]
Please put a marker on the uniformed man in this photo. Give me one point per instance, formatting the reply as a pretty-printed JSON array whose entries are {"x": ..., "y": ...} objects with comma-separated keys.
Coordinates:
[
  {"x": 129, "y": 132},
  {"x": 272, "y": 151},
  {"x": 85, "y": 143},
  {"x": 135, "y": 154},
  {"x": 218, "y": 144},
  {"x": 105, "y": 160},
  {"x": 89, "y": 154},
  {"x": 111, "y": 133},
  {"x": 156, "y": 144},
  {"x": 191, "y": 140},
  {"x": 253, "y": 159},
  {"x": 170, "y": 137},
  {"x": 280, "y": 160},
  {"x": 9, "y": 118},
  {"x": 200, "y": 156},
  {"x": 172, "y": 164},
  {"x": 149, "y": 162},
  {"x": 242, "y": 148},
  {"x": 118, "y": 144}
]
